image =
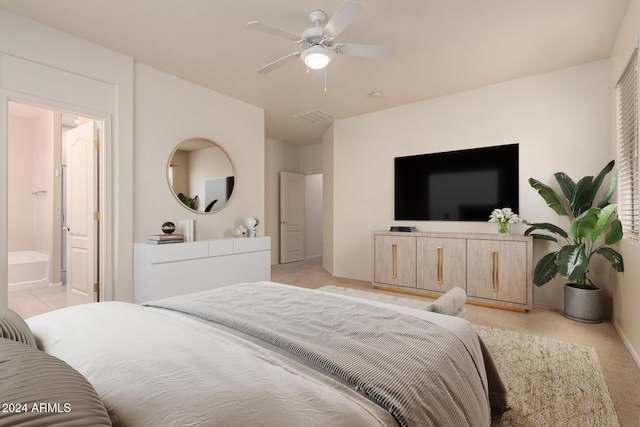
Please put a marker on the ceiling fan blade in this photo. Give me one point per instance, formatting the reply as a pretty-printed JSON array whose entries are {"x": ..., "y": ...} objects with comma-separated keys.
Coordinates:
[
  {"x": 364, "y": 50},
  {"x": 344, "y": 16},
  {"x": 259, "y": 26},
  {"x": 278, "y": 63}
]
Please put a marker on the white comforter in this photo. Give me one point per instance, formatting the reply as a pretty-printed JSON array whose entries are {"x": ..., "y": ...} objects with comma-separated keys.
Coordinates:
[{"x": 154, "y": 367}]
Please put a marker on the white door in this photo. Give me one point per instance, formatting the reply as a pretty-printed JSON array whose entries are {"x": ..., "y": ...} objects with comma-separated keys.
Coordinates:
[
  {"x": 82, "y": 203},
  {"x": 291, "y": 217}
]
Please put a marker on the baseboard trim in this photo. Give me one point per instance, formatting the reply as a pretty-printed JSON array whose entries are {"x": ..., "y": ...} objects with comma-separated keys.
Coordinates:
[{"x": 627, "y": 343}]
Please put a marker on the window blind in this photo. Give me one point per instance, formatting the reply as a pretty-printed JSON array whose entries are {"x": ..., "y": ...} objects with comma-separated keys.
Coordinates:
[{"x": 627, "y": 99}]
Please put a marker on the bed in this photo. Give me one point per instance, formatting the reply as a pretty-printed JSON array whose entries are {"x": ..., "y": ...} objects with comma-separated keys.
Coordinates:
[{"x": 275, "y": 355}]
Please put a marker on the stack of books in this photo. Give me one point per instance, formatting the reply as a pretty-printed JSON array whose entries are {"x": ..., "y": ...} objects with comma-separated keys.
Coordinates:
[{"x": 161, "y": 239}]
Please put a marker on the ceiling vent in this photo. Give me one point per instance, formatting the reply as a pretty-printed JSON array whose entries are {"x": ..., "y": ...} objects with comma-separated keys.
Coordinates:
[{"x": 313, "y": 117}]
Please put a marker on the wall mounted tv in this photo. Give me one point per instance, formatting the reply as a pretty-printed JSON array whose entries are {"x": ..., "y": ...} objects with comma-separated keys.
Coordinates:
[{"x": 464, "y": 185}]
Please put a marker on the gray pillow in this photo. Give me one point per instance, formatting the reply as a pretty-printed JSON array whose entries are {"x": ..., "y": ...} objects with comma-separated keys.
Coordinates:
[
  {"x": 39, "y": 389},
  {"x": 449, "y": 303},
  {"x": 13, "y": 327}
]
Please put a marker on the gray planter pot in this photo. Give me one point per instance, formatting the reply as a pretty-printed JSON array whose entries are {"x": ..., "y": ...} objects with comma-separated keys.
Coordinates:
[{"x": 583, "y": 305}]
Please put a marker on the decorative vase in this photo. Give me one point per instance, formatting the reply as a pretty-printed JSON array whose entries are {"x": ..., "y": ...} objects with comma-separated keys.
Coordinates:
[
  {"x": 504, "y": 228},
  {"x": 582, "y": 305}
]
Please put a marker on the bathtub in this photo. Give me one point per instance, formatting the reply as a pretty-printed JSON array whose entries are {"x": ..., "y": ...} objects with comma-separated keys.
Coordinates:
[{"x": 28, "y": 270}]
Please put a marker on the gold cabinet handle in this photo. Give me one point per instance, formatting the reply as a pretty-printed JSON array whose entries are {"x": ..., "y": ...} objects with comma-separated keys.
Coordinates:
[
  {"x": 394, "y": 261},
  {"x": 495, "y": 284},
  {"x": 439, "y": 265}
]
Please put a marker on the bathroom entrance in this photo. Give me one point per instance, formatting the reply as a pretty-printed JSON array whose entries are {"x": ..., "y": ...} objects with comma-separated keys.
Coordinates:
[{"x": 53, "y": 211}]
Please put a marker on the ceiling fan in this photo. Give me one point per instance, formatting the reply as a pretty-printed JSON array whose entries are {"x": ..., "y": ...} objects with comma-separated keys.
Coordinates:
[{"x": 318, "y": 48}]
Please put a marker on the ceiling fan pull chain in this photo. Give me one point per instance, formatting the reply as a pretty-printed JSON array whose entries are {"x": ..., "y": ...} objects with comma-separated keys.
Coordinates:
[{"x": 325, "y": 79}]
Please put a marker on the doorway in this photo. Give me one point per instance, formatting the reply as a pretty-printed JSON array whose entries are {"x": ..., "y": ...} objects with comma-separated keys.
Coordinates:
[
  {"x": 40, "y": 195},
  {"x": 313, "y": 215},
  {"x": 300, "y": 216}
]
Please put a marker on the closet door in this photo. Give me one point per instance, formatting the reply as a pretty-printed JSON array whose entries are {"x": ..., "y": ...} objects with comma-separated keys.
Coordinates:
[
  {"x": 395, "y": 260},
  {"x": 441, "y": 263}
]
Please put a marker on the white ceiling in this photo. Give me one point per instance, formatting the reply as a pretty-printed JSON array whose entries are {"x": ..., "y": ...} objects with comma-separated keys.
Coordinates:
[{"x": 441, "y": 47}]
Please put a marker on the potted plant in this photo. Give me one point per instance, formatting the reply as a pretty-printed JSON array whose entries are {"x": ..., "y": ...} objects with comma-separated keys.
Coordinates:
[{"x": 580, "y": 242}]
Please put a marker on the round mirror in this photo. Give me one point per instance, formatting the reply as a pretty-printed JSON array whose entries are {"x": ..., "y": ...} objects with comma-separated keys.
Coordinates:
[{"x": 201, "y": 175}]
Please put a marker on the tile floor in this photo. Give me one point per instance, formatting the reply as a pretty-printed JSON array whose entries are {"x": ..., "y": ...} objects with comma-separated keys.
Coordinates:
[{"x": 31, "y": 302}]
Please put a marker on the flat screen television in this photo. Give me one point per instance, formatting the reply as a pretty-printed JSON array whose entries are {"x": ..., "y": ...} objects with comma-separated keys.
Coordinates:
[{"x": 464, "y": 185}]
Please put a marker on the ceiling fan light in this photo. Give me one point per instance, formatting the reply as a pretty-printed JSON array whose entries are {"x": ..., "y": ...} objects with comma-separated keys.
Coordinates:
[{"x": 316, "y": 57}]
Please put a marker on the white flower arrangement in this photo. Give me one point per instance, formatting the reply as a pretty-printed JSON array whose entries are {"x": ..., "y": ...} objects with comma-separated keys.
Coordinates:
[{"x": 504, "y": 217}]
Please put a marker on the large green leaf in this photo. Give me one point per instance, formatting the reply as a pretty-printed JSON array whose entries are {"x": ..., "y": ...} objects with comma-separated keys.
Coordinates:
[
  {"x": 615, "y": 233},
  {"x": 585, "y": 225},
  {"x": 582, "y": 198},
  {"x": 549, "y": 196},
  {"x": 572, "y": 261},
  {"x": 613, "y": 257},
  {"x": 587, "y": 195},
  {"x": 597, "y": 181},
  {"x": 544, "y": 237},
  {"x": 603, "y": 220},
  {"x": 545, "y": 270},
  {"x": 566, "y": 184},
  {"x": 609, "y": 193},
  {"x": 545, "y": 226}
]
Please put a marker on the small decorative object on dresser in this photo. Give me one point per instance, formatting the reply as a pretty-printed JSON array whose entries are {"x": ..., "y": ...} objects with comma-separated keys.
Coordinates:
[
  {"x": 251, "y": 223},
  {"x": 168, "y": 227},
  {"x": 188, "y": 228},
  {"x": 241, "y": 231},
  {"x": 504, "y": 217},
  {"x": 161, "y": 239}
]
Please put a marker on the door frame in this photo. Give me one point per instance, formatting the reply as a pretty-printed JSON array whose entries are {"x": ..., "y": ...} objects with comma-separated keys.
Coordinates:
[{"x": 104, "y": 185}]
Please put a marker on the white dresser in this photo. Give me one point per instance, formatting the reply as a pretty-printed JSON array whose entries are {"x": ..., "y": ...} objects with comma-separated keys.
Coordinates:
[{"x": 162, "y": 271}]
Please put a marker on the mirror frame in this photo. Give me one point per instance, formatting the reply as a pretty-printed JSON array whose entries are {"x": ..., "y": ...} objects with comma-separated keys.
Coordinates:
[{"x": 233, "y": 168}]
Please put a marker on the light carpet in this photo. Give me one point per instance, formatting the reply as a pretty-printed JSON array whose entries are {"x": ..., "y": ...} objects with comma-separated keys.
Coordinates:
[{"x": 550, "y": 382}]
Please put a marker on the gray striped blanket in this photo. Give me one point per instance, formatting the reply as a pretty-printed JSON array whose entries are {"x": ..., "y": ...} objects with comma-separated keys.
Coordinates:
[{"x": 421, "y": 373}]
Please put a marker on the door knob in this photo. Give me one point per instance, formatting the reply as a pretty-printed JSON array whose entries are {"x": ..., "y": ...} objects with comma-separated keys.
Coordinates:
[{"x": 66, "y": 228}]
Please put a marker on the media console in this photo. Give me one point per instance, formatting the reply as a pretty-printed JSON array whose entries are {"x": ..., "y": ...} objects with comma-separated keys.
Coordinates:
[{"x": 495, "y": 270}]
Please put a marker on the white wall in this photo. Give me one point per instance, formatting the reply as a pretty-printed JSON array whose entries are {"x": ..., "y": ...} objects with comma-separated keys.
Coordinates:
[
  {"x": 310, "y": 159},
  {"x": 43, "y": 180},
  {"x": 626, "y": 292},
  {"x": 20, "y": 200},
  {"x": 311, "y": 167},
  {"x": 313, "y": 215},
  {"x": 560, "y": 119},
  {"x": 328, "y": 194},
  {"x": 170, "y": 110}
]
